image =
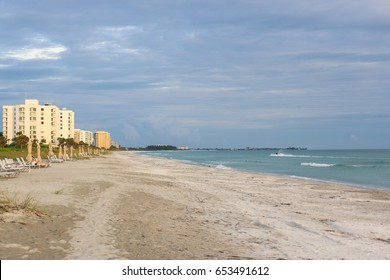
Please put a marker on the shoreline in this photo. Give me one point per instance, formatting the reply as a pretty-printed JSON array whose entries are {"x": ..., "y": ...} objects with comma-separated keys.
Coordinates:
[
  {"x": 127, "y": 206},
  {"x": 288, "y": 177}
]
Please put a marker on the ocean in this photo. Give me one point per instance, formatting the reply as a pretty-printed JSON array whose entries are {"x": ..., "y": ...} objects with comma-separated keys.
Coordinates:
[{"x": 365, "y": 168}]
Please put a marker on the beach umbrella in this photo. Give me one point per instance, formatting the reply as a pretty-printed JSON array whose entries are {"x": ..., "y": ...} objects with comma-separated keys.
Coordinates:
[
  {"x": 79, "y": 150},
  {"x": 60, "y": 156},
  {"x": 50, "y": 149},
  {"x": 65, "y": 154},
  {"x": 71, "y": 151},
  {"x": 39, "y": 159},
  {"x": 89, "y": 150},
  {"x": 29, "y": 151},
  {"x": 82, "y": 149}
]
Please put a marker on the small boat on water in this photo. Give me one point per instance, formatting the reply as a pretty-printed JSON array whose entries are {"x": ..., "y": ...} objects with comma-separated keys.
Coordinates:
[{"x": 277, "y": 154}]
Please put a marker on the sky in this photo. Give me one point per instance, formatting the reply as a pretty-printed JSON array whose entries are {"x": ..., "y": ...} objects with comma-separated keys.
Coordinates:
[{"x": 215, "y": 73}]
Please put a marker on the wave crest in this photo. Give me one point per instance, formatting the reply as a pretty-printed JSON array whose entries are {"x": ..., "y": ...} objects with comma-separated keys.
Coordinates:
[{"x": 315, "y": 164}]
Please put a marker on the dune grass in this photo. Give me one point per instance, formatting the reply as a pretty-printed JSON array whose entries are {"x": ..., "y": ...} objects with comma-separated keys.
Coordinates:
[{"x": 14, "y": 203}]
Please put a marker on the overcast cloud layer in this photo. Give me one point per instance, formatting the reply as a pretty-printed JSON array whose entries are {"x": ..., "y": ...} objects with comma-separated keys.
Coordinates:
[{"x": 215, "y": 73}]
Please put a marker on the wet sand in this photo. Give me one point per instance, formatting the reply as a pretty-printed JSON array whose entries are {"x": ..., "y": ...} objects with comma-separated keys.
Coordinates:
[{"x": 127, "y": 206}]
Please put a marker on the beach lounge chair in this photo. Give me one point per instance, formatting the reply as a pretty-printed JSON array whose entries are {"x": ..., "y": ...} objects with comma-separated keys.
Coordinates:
[
  {"x": 54, "y": 159},
  {"x": 18, "y": 165},
  {"x": 25, "y": 164},
  {"x": 12, "y": 167},
  {"x": 34, "y": 165},
  {"x": 28, "y": 164},
  {"x": 6, "y": 172}
]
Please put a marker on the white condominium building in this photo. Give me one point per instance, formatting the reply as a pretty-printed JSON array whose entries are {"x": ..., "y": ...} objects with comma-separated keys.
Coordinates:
[
  {"x": 66, "y": 122},
  {"x": 37, "y": 121},
  {"x": 84, "y": 136}
]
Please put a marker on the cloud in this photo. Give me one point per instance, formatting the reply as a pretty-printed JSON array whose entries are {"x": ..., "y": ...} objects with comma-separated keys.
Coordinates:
[
  {"x": 119, "y": 31},
  {"x": 112, "y": 48},
  {"x": 38, "y": 47},
  {"x": 113, "y": 41},
  {"x": 175, "y": 69},
  {"x": 48, "y": 53}
]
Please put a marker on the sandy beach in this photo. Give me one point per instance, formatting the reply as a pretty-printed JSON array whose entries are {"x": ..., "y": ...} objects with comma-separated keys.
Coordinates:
[{"x": 128, "y": 206}]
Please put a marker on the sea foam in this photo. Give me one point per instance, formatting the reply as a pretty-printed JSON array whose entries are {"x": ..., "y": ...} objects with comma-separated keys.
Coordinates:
[{"x": 314, "y": 164}]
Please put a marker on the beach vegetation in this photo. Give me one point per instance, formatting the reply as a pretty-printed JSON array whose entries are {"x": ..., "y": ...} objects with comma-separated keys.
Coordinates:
[
  {"x": 14, "y": 203},
  {"x": 148, "y": 148},
  {"x": 35, "y": 142},
  {"x": 14, "y": 152},
  {"x": 3, "y": 141},
  {"x": 61, "y": 140},
  {"x": 67, "y": 141},
  {"x": 61, "y": 191},
  {"x": 20, "y": 140},
  {"x": 70, "y": 142},
  {"x": 160, "y": 147}
]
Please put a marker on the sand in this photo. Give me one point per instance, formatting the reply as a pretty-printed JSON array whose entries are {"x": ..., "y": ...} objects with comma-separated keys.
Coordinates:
[{"x": 128, "y": 206}]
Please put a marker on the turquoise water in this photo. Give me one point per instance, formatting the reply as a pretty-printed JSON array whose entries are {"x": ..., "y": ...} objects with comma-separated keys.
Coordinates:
[{"x": 369, "y": 168}]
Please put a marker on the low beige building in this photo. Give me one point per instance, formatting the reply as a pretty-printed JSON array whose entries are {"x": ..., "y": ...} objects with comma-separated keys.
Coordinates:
[{"x": 102, "y": 139}]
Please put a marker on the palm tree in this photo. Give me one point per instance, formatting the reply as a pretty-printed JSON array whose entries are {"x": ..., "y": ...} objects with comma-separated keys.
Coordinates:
[{"x": 20, "y": 140}]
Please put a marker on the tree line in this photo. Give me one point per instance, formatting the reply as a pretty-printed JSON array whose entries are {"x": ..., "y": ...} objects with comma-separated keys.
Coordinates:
[{"x": 21, "y": 141}]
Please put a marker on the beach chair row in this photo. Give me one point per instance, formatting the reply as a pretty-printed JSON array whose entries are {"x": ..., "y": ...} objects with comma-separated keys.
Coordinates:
[
  {"x": 10, "y": 168},
  {"x": 55, "y": 159}
]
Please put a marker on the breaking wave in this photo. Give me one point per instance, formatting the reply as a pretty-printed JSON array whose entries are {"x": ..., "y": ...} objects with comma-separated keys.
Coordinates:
[
  {"x": 314, "y": 164},
  {"x": 289, "y": 155},
  {"x": 302, "y": 156},
  {"x": 221, "y": 166}
]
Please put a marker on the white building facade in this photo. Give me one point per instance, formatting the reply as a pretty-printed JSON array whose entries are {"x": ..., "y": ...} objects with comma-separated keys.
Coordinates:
[
  {"x": 84, "y": 136},
  {"x": 37, "y": 121},
  {"x": 66, "y": 123}
]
